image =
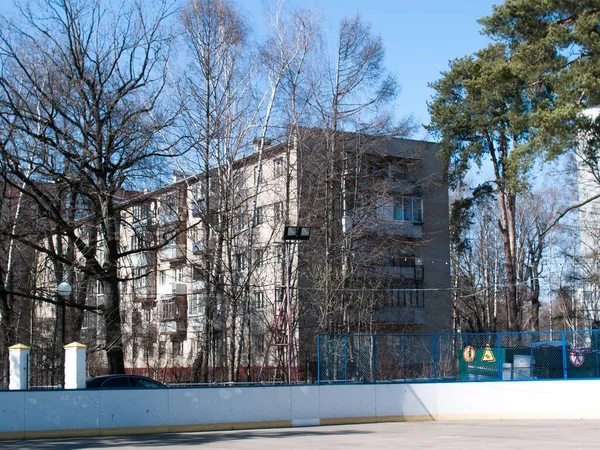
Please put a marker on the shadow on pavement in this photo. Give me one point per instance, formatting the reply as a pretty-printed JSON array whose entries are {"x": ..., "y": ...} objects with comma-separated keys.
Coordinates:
[{"x": 166, "y": 440}]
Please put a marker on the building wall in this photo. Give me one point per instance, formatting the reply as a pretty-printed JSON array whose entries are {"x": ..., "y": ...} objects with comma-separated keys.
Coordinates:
[{"x": 587, "y": 294}]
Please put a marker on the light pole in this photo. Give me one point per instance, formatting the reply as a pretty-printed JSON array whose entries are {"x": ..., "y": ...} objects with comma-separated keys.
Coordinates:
[
  {"x": 291, "y": 235},
  {"x": 63, "y": 290}
]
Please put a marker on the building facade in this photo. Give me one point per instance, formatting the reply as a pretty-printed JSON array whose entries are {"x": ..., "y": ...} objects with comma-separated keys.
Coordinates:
[{"x": 212, "y": 291}]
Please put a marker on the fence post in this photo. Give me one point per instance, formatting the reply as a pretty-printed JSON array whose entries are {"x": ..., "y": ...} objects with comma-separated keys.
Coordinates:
[
  {"x": 499, "y": 353},
  {"x": 404, "y": 356},
  {"x": 319, "y": 358},
  {"x": 595, "y": 338},
  {"x": 374, "y": 338},
  {"x": 345, "y": 358},
  {"x": 19, "y": 367},
  {"x": 564, "y": 351},
  {"x": 435, "y": 357},
  {"x": 75, "y": 359}
]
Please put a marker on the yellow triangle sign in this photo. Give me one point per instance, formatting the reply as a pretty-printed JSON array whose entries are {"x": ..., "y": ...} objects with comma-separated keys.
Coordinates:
[{"x": 488, "y": 355}]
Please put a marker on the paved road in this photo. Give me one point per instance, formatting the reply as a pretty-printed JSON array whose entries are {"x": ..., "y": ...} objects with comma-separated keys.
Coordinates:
[{"x": 488, "y": 435}]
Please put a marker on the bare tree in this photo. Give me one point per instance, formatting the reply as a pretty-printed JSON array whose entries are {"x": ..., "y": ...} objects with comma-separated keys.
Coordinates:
[
  {"x": 353, "y": 97},
  {"x": 82, "y": 86}
]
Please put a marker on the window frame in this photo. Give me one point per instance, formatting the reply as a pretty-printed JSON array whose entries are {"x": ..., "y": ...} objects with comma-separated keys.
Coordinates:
[{"x": 401, "y": 207}]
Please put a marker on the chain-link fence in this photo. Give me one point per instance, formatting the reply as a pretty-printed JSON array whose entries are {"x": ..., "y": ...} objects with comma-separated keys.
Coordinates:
[{"x": 365, "y": 358}]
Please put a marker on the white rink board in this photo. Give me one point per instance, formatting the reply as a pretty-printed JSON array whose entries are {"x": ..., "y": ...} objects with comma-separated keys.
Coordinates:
[
  {"x": 103, "y": 411},
  {"x": 189, "y": 405},
  {"x": 121, "y": 408},
  {"x": 577, "y": 399},
  {"x": 347, "y": 400},
  {"x": 305, "y": 405},
  {"x": 12, "y": 411},
  {"x": 61, "y": 409},
  {"x": 407, "y": 400}
]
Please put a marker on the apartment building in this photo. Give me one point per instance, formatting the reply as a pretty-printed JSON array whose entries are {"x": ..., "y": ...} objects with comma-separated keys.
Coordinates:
[
  {"x": 218, "y": 293},
  {"x": 586, "y": 301}
]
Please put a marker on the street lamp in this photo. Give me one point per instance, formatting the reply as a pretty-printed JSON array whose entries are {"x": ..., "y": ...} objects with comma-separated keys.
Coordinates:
[
  {"x": 291, "y": 234},
  {"x": 64, "y": 290}
]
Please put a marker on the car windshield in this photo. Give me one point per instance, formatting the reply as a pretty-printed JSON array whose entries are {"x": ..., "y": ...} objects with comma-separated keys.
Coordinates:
[
  {"x": 144, "y": 383},
  {"x": 117, "y": 382}
]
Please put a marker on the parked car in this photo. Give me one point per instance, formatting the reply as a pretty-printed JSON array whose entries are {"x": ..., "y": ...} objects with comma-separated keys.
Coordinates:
[{"x": 122, "y": 381}]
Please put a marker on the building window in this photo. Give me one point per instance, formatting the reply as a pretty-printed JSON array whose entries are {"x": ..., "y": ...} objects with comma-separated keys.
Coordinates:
[
  {"x": 258, "y": 257},
  {"x": 100, "y": 296},
  {"x": 149, "y": 348},
  {"x": 170, "y": 309},
  {"x": 168, "y": 210},
  {"x": 240, "y": 222},
  {"x": 278, "y": 211},
  {"x": 278, "y": 167},
  {"x": 136, "y": 317},
  {"x": 178, "y": 275},
  {"x": 259, "y": 301},
  {"x": 137, "y": 240},
  {"x": 140, "y": 279},
  {"x": 280, "y": 295},
  {"x": 141, "y": 212},
  {"x": 163, "y": 277},
  {"x": 240, "y": 262},
  {"x": 86, "y": 320},
  {"x": 213, "y": 185},
  {"x": 177, "y": 347},
  {"x": 260, "y": 215},
  {"x": 278, "y": 257},
  {"x": 196, "y": 304},
  {"x": 409, "y": 209},
  {"x": 197, "y": 191},
  {"x": 258, "y": 342}
]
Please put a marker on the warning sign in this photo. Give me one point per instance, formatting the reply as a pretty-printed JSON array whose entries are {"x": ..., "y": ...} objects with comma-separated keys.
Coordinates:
[
  {"x": 488, "y": 355},
  {"x": 576, "y": 357},
  {"x": 469, "y": 354}
]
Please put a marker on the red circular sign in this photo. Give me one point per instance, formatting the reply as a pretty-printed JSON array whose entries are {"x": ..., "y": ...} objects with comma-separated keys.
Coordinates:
[
  {"x": 469, "y": 354},
  {"x": 576, "y": 357}
]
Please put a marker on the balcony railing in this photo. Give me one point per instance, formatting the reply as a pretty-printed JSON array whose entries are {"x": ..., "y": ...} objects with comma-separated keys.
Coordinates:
[
  {"x": 171, "y": 252},
  {"x": 179, "y": 288}
]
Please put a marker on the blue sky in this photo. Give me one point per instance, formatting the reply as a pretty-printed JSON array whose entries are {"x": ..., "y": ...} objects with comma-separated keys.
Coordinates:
[{"x": 420, "y": 38}]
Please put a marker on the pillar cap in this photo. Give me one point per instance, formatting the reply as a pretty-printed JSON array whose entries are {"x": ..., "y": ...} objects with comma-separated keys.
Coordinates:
[
  {"x": 19, "y": 347},
  {"x": 75, "y": 345}
]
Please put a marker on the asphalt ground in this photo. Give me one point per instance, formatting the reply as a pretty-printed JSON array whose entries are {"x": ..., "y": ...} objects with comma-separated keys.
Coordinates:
[{"x": 487, "y": 435}]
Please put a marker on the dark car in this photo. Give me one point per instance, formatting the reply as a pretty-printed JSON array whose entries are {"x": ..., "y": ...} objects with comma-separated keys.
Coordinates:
[{"x": 122, "y": 381}]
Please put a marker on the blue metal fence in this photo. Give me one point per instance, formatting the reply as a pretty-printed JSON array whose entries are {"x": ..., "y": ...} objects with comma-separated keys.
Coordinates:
[{"x": 370, "y": 358}]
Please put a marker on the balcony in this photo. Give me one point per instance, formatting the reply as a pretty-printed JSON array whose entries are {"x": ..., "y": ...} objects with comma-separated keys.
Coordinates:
[
  {"x": 198, "y": 247},
  {"x": 400, "y": 315},
  {"x": 179, "y": 289},
  {"x": 408, "y": 273},
  {"x": 143, "y": 293},
  {"x": 171, "y": 252},
  {"x": 198, "y": 285},
  {"x": 412, "y": 230},
  {"x": 198, "y": 208},
  {"x": 173, "y": 314}
]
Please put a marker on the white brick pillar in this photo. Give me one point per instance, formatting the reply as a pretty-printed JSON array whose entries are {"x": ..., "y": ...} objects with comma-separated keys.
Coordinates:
[
  {"x": 19, "y": 367},
  {"x": 75, "y": 358}
]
